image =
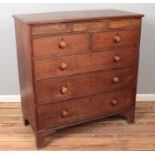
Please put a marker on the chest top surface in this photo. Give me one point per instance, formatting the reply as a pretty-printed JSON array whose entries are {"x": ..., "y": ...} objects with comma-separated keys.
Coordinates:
[{"x": 70, "y": 16}]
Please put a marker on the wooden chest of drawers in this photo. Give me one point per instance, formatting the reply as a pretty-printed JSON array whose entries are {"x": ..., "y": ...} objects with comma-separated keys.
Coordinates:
[{"x": 76, "y": 67}]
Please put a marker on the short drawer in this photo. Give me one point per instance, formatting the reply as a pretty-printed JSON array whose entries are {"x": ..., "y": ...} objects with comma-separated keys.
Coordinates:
[
  {"x": 55, "y": 89},
  {"x": 60, "y": 44},
  {"x": 92, "y": 25},
  {"x": 68, "y": 65},
  {"x": 81, "y": 109},
  {"x": 125, "y": 23},
  {"x": 50, "y": 29},
  {"x": 104, "y": 40}
]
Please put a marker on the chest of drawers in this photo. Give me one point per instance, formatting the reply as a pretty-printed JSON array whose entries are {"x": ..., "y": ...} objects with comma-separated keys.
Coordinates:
[{"x": 76, "y": 67}]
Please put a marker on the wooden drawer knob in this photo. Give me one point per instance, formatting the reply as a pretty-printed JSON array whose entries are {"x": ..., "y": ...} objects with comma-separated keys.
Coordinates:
[
  {"x": 114, "y": 102},
  {"x": 63, "y": 66},
  {"x": 117, "y": 59},
  {"x": 62, "y": 44},
  {"x": 64, "y": 90},
  {"x": 64, "y": 113},
  {"x": 117, "y": 38},
  {"x": 115, "y": 79}
]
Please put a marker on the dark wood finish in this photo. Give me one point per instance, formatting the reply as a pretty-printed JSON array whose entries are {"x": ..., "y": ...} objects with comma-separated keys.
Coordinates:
[
  {"x": 25, "y": 73},
  {"x": 40, "y": 138},
  {"x": 50, "y": 116},
  {"x": 129, "y": 114},
  {"x": 57, "y": 45},
  {"x": 51, "y": 90},
  {"x": 115, "y": 38},
  {"x": 71, "y": 16},
  {"x": 76, "y": 67},
  {"x": 103, "y": 60}
]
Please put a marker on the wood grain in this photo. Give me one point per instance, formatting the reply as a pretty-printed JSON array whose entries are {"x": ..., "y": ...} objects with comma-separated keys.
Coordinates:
[
  {"x": 25, "y": 70},
  {"x": 50, "y": 115},
  {"x": 88, "y": 26},
  {"x": 49, "y": 90},
  {"x": 81, "y": 63},
  {"x": 111, "y": 133},
  {"x": 125, "y": 23},
  {"x": 50, "y": 29},
  {"x": 45, "y": 46},
  {"x": 70, "y": 16},
  {"x": 78, "y": 60},
  {"x": 106, "y": 39}
]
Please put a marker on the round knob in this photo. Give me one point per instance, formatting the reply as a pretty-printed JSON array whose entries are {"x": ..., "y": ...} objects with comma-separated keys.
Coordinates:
[
  {"x": 117, "y": 59},
  {"x": 114, "y": 102},
  {"x": 117, "y": 39},
  {"x": 115, "y": 79},
  {"x": 64, "y": 113},
  {"x": 62, "y": 44},
  {"x": 63, "y": 66},
  {"x": 64, "y": 90}
]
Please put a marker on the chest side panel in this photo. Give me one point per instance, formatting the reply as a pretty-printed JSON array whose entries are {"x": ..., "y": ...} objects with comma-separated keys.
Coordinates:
[{"x": 25, "y": 67}]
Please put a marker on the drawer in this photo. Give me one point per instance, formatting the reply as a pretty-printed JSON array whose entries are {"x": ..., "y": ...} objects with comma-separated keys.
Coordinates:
[
  {"x": 115, "y": 38},
  {"x": 81, "y": 109},
  {"x": 60, "y": 44},
  {"x": 93, "y": 25},
  {"x": 68, "y": 65},
  {"x": 125, "y": 23},
  {"x": 55, "y": 89},
  {"x": 50, "y": 28}
]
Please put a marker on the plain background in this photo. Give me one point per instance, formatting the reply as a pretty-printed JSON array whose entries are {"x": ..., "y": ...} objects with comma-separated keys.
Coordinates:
[{"x": 9, "y": 83}]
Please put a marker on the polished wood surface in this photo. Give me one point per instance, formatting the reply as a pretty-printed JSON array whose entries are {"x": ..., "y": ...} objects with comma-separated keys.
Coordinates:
[
  {"x": 70, "y": 16},
  {"x": 126, "y": 23},
  {"x": 56, "y": 89},
  {"x": 76, "y": 67},
  {"x": 56, "y": 45},
  {"x": 112, "y": 133},
  {"x": 81, "y": 63},
  {"x": 86, "y": 108},
  {"x": 25, "y": 72},
  {"x": 115, "y": 38},
  {"x": 50, "y": 28},
  {"x": 87, "y": 26}
]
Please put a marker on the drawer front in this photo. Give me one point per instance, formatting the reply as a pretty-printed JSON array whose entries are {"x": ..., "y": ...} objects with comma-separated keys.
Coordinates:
[
  {"x": 60, "y": 66},
  {"x": 81, "y": 109},
  {"x": 115, "y": 38},
  {"x": 50, "y": 28},
  {"x": 87, "y": 26},
  {"x": 55, "y": 89},
  {"x": 125, "y": 23},
  {"x": 60, "y": 44}
]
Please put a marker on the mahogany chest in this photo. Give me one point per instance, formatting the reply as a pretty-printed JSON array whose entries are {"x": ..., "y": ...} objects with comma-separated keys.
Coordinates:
[{"x": 76, "y": 67}]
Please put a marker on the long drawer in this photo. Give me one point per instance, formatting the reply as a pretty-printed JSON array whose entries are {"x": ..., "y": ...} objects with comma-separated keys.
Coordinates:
[
  {"x": 71, "y": 111},
  {"x": 55, "y": 89},
  {"x": 60, "y": 66}
]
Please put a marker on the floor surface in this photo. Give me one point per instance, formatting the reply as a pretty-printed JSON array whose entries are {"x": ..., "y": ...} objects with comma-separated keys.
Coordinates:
[{"x": 112, "y": 133}]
